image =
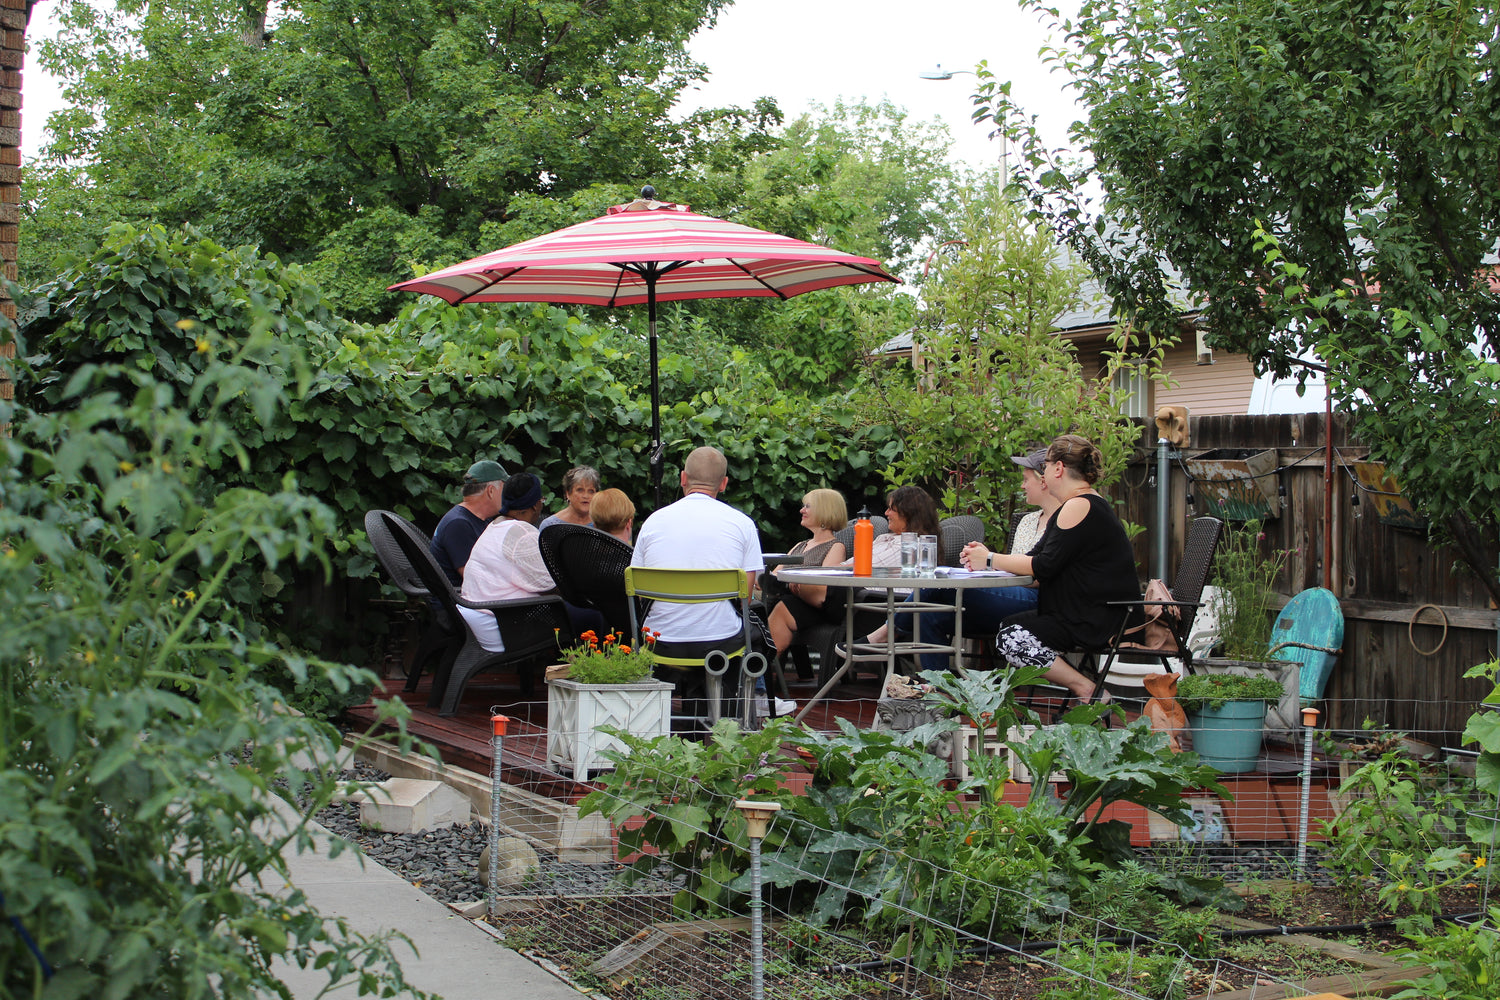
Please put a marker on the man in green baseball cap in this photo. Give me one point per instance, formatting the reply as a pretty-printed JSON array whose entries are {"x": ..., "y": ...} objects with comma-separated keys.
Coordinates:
[{"x": 461, "y": 527}]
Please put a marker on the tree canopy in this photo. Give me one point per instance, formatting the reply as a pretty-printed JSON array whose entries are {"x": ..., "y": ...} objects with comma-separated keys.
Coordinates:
[
  {"x": 990, "y": 378},
  {"x": 362, "y": 136},
  {"x": 864, "y": 178},
  {"x": 1322, "y": 178}
]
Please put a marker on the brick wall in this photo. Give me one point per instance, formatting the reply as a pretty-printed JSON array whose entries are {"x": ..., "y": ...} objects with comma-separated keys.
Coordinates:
[{"x": 13, "y": 17}]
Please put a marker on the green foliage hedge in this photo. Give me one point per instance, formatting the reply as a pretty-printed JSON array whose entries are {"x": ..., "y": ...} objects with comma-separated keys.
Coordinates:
[
  {"x": 152, "y": 781},
  {"x": 389, "y": 416}
]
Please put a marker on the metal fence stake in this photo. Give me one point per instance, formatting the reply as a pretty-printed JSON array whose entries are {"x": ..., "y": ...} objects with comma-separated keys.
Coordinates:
[
  {"x": 498, "y": 724},
  {"x": 757, "y": 818},
  {"x": 1309, "y": 727}
]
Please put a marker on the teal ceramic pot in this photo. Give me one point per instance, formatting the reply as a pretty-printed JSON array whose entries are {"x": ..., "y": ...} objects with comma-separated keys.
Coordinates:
[{"x": 1228, "y": 739}]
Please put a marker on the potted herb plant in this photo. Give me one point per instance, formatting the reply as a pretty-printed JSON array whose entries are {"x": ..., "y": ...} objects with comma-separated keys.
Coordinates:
[
  {"x": 1226, "y": 713},
  {"x": 602, "y": 682},
  {"x": 1244, "y": 579}
]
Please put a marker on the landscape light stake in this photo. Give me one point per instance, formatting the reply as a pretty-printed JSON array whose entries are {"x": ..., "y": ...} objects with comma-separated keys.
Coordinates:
[
  {"x": 498, "y": 722},
  {"x": 1309, "y": 726},
  {"x": 757, "y": 817}
]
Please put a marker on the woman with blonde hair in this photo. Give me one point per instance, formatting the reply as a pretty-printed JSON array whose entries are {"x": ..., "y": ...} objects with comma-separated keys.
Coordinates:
[
  {"x": 613, "y": 514},
  {"x": 823, "y": 514},
  {"x": 1083, "y": 562}
]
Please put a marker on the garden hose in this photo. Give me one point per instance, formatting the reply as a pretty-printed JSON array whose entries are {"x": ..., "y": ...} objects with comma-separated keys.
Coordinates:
[
  {"x": 29, "y": 942},
  {"x": 1411, "y": 630}
]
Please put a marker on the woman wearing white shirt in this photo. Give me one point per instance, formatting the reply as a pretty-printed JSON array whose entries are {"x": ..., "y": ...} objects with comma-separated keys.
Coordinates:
[{"x": 506, "y": 564}]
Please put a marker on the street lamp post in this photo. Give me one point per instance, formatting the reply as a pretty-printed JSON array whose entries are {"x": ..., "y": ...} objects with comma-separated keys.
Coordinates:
[{"x": 938, "y": 73}]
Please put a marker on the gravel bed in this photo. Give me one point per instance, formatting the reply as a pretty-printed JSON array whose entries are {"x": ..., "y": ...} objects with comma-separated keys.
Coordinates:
[{"x": 445, "y": 863}]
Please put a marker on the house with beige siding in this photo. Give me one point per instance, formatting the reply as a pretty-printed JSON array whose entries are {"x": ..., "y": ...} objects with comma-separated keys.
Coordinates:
[{"x": 1203, "y": 380}]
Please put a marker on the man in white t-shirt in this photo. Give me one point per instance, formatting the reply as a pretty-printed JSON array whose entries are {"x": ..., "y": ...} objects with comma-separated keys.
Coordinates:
[{"x": 698, "y": 532}]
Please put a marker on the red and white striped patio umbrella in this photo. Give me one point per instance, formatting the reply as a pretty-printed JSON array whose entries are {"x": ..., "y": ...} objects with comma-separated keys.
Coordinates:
[{"x": 648, "y": 251}]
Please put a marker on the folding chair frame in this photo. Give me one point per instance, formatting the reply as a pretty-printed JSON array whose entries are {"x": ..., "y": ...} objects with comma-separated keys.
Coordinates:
[{"x": 703, "y": 586}]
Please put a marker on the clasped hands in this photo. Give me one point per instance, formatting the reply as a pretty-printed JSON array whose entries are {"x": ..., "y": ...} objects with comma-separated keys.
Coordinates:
[{"x": 975, "y": 556}]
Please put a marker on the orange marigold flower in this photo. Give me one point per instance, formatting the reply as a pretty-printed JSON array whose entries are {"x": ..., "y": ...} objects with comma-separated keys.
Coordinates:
[{"x": 624, "y": 648}]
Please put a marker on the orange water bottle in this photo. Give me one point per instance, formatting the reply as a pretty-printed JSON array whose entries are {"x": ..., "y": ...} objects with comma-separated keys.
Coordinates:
[{"x": 864, "y": 543}]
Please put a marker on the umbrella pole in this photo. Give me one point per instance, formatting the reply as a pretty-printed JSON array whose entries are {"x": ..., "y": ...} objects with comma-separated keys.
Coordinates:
[{"x": 657, "y": 449}]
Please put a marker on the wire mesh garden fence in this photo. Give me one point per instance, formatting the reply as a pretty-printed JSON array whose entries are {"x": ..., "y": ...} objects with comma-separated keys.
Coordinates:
[{"x": 886, "y": 879}]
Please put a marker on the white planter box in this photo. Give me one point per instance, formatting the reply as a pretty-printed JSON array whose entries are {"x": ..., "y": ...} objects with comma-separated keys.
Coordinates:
[
  {"x": 966, "y": 744},
  {"x": 575, "y": 711}
]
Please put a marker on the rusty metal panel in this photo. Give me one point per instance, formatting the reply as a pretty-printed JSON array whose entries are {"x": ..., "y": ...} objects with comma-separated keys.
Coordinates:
[
  {"x": 1381, "y": 489},
  {"x": 1236, "y": 484}
]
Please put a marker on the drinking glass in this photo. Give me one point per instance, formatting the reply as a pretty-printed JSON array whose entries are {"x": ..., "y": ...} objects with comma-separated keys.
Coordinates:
[
  {"x": 910, "y": 551},
  {"x": 927, "y": 554}
]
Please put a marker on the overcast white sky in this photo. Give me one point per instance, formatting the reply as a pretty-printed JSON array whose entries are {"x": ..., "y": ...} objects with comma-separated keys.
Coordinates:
[{"x": 804, "y": 51}]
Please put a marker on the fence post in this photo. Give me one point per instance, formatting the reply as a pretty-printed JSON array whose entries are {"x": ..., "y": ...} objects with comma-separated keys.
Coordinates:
[
  {"x": 1309, "y": 727},
  {"x": 497, "y": 738},
  {"x": 1163, "y": 500},
  {"x": 757, "y": 817}
]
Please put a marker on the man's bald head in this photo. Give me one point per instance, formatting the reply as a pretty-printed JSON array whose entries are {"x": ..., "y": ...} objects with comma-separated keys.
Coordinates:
[{"x": 705, "y": 469}]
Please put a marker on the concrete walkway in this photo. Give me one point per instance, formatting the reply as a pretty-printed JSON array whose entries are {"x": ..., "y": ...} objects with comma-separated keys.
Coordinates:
[{"x": 455, "y": 958}]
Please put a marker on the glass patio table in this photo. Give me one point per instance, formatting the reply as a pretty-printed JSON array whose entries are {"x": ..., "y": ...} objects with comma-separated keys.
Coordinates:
[{"x": 878, "y": 592}]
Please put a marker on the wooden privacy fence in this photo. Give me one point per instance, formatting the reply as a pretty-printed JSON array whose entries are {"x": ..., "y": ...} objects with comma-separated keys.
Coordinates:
[{"x": 1415, "y": 617}]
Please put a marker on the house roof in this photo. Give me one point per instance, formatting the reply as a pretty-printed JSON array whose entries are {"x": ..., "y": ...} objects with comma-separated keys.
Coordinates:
[{"x": 1090, "y": 316}]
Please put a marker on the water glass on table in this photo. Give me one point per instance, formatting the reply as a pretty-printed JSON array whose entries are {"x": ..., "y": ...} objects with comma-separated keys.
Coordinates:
[
  {"x": 927, "y": 555},
  {"x": 910, "y": 553}
]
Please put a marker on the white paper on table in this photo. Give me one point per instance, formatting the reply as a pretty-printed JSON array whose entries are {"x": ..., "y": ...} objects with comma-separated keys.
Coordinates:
[
  {"x": 963, "y": 573},
  {"x": 817, "y": 570}
]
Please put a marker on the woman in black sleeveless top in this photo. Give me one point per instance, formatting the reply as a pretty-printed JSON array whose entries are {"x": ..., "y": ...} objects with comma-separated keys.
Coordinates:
[{"x": 1083, "y": 562}]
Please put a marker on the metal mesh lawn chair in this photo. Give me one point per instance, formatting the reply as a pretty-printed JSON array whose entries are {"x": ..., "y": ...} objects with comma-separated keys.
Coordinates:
[
  {"x": 703, "y": 586},
  {"x": 1187, "y": 597}
]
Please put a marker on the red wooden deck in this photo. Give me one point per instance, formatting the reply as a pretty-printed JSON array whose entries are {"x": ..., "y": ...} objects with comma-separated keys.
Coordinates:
[{"x": 1265, "y": 806}]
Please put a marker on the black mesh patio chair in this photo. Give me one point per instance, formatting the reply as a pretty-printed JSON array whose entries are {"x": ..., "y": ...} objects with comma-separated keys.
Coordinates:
[
  {"x": 588, "y": 567},
  {"x": 956, "y": 532},
  {"x": 528, "y": 626},
  {"x": 1187, "y": 597},
  {"x": 442, "y": 635},
  {"x": 1016, "y": 516}
]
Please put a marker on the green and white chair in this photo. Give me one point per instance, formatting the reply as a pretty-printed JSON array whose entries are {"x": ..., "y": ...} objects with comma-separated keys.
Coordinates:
[{"x": 701, "y": 586}]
